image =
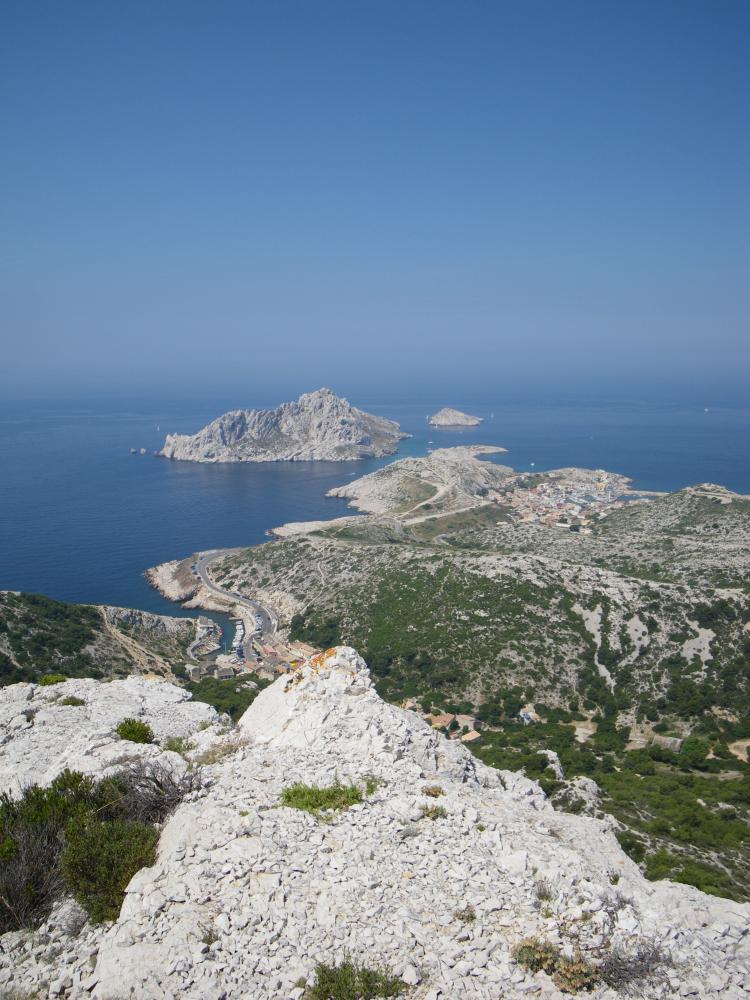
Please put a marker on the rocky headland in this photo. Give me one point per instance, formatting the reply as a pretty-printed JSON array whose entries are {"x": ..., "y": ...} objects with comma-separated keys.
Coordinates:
[
  {"x": 412, "y": 482},
  {"x": 318, "y": 426},
  {"x": 452, "y": 876},
  {"x": 448, "y": 417}
]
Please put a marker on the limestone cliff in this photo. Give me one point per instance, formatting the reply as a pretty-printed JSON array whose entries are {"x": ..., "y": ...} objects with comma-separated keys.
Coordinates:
[{"x": 318, "y": 426}]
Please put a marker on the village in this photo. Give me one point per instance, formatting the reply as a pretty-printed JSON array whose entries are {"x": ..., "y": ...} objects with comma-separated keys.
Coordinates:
[{"x": 572, "y": 503}]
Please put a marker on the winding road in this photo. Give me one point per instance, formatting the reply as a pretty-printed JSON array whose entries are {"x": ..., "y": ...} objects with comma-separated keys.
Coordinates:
[{"x": 201, "y": 570}]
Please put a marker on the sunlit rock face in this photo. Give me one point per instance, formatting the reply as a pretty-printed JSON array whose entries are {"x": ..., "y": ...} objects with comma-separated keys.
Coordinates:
[{"x": 318, "y": 426}]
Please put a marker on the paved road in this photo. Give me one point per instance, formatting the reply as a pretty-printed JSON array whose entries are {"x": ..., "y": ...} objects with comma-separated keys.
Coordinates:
[{"x": 201, "y": 569}]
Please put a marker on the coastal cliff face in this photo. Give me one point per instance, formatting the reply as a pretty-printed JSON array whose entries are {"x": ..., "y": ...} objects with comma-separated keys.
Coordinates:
[
  {"x": 433, "y": 873},
  {"x": 448, "y": 417},
  {"x": 318, "y": 426}
]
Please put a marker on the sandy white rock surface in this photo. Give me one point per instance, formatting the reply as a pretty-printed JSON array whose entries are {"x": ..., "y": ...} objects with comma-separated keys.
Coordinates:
[{"x": 40, "y": 737}]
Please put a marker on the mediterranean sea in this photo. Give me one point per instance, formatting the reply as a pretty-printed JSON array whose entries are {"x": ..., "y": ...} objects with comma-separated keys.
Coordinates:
[{"x": 81, "y": 517}]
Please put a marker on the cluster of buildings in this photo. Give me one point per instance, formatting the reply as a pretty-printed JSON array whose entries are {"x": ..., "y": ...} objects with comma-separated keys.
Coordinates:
[
  {"x": 566, "y": 503},
  {"x": 264, "y": 657}
]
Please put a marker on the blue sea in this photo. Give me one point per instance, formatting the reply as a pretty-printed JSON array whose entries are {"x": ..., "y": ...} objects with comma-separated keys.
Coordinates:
[{"x": 81, "y": 518}]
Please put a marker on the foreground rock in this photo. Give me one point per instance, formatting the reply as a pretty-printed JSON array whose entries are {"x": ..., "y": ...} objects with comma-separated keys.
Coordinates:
[
  {"x": 41, "y": 735},
  {"x": 247, "y": 896},
  {"x": 318, "y": 426},
  {"x": 448, "y": 417}
]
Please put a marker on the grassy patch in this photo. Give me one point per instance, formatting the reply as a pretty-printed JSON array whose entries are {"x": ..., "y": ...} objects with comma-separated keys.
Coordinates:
[
  {"x": 351, "y": 981},
  {"x": 316, "y": 800},
  {"x": 432, "y": 812},
  {"x": 179, "y": 744},
  {"x": 72, "y": 701}
]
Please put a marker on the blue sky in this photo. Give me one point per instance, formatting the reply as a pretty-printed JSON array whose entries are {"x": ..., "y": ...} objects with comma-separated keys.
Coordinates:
[{"x": 358, "y": 193}]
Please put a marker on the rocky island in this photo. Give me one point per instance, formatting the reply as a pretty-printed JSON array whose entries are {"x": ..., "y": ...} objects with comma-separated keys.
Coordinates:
[
  {"x": 318, "y": 426},
  {"x": 448, "y": 417}
]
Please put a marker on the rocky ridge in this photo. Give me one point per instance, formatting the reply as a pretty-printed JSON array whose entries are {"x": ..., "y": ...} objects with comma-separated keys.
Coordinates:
[
  {"x": 41, "y": 735},
  {"x": 318, "y": 426},
  {"x": 448, "y": 417},
  {"x": 246, "y": 896}
]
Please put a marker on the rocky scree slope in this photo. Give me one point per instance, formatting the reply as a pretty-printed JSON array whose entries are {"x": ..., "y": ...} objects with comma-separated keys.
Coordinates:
[
  {"x": 247, "y": 896},
  {"x": 318, "y": 426}
]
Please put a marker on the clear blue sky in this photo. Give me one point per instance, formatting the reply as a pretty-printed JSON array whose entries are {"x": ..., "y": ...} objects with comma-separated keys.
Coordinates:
[{"x": 354, "y": 192}]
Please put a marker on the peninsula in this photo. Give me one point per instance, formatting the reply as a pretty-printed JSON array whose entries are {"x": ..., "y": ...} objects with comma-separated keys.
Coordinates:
[
  {"x": 448, "y": 417},
  {"x": 319, "y": 426}
]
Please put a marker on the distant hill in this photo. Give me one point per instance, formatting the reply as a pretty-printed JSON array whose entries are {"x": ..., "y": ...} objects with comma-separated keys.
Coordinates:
[{"x": 41, "y": 636}]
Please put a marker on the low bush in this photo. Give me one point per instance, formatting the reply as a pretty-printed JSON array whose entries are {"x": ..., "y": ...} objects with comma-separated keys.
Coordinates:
[
  {"x": 433, "y": 791},
  {"x": 467, "y": 914},
  {"x": 569, "y": 975},
  {"x": 315, "y": 800},
  {"x": 72, "y": 700},
  {"x": 623, "y": 971},
  {"x": 60, "y": 839},
  {"x": 351, "y": 981},
  {"x": 544, "y": 890},
  {"x": 101, "y": 857},
  {"x": 135, "y": 731},
  {"x": 432, "y": 812},
  {"x": 536, "y": 955},
  {"x": 47, "y": 679}
]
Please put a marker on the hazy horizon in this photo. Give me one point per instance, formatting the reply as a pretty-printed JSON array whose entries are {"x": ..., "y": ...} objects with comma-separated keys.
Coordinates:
[{"x": 258, "y": 200}]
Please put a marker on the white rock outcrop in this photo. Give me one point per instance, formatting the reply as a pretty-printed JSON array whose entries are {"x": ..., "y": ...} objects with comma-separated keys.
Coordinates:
[
  {"x": 247, "y": 896},
  {"x": 448, "y": 417},
  {"x": 318, "y": 426},
  {"x": 40, "y": 735}
]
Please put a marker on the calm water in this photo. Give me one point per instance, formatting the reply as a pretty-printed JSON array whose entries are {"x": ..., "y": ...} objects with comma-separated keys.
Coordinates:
[{"x": 81, "y": 518}]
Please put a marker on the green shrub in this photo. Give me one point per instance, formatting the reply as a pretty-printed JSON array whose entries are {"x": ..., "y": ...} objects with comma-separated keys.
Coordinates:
[
  {"x": 47, "y": 679},
  {"x": 232, "y": 697},
  {"x": 72, "y": 700},
  {"x": 31, "y": 838},
  {"x": 315, "y": 800},
  {"x": 34, "y": 829},
  {"x": 101, "y": 857},
  {"x": 351, "y": 981},
  {"x": 433, "y": 791},
  {"x": 135, "y": 731}
]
